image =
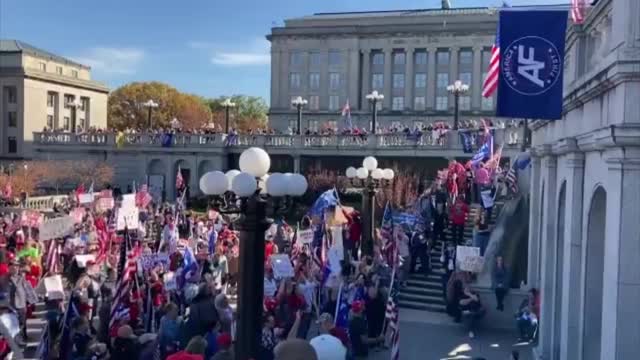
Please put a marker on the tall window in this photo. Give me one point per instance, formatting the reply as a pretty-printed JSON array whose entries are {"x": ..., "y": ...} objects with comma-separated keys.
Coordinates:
[
  {"x": 314, "y": 81},
  {"x": 12, "y": 119},
  {"x": 397, "y": 103},
  {"x": 66, "y": 124},
  {"x": 42, "y": 66},
  {"x": 465, "y": 77},
  {"x": 399, "y": 58},
  {"x": 313, "y": 125},
  {"x": 335, "y": 57},
  {"x": 84, "y": 103},
  {"x": 443, "y": 81},
  {"x": 421, "y": 58},
  {"x": 50, "y": 121},
  {"x": 315, "y": 60},
  {"x": 398, "y": 81},
  {"x": 419, "y": 103},
  {"x": 378, "y": 58},
  {"x": 334, "y": 81},
  {"x": 59, "y": 70},
  {"x": 377, "y": 81},
  {"x": 442, "y": 103},
  {"x": 334, "y": 102},
  {"x": 294, "y": 80},
  {"x": 81, "y": 123},
  {"x": 465, "y": 103},
  {"x": 13, "y": 145},
  {"x": 68, "y": 99},
  {"x": 443, "y": 58},
  {"x": 12, "y": 94},
  {"x": 421, "y": 80},
  {"x": 465, "y": 57},
  {"x": 314, "y": 102},
  {"x": 51, "y": 99},
  {"x": 295, "y": 58},
  {"x": 487, "y": 103}
]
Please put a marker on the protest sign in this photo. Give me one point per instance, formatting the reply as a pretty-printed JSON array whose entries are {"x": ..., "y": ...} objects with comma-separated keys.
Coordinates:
[
  {"x": 128, "y": 200},
  {"x": 487, "y": 199},
  {"x": 281, "y": 265},
  {"x": 270, "y": 288},
  {"x": 51, "y": 287},
  {"x": 149, "y": 261},
  {"x": 305, "y": 236},
  {"x": 128, "y": 217},
  {"x": 104, "y": 204},
  {"x": 77, "y": 214},
  {"x": 467, "y": 258},
  {"x": 55, "y": 228},
  {"x": 85, "y": 198},
  {"x": 473, "y": 264},
  {"x": 170, "y": 283},
  {"x": 82, "y": 260},
  {"x": 212, "y": 214},
  {"x": 31, "y": 218}
]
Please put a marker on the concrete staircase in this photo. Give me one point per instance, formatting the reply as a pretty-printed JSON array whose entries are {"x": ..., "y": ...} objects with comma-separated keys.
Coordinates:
[{"x": 426, "y": 292}]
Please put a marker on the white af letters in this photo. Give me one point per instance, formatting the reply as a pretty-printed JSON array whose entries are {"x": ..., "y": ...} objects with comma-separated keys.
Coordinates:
[{"x": 528, "y": 67}]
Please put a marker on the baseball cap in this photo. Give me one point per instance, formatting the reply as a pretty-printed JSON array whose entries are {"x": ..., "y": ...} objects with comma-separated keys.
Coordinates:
[{"x": 357, "y": 306}]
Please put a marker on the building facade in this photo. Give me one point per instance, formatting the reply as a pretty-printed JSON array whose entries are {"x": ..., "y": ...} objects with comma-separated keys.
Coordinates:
[
  {"x": 584, "y": 238},
  {"x": 41, "y": 90},
  {"x": 408, "y": 56}
]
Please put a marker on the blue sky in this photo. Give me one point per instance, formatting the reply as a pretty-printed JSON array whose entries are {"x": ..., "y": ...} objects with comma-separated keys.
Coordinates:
[{"x": 206, "y": 47}]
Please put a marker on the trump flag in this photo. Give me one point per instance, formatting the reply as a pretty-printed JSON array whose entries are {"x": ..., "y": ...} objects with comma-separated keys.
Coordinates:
[{"x": 531, "y": 64}]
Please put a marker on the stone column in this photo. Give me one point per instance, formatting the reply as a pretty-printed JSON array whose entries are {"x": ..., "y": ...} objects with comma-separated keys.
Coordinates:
[
  {"x": 275, "y": 76},
  {"x": 572, "y": 297},
  {"x": 284, "y": 80},
  {"x": 621, "y": 286},
  {"x": 548, "y": 253},
  {"x": 533, "y": 270},
  {"x": 296, "y": 164},
  {"x": 453, "y": 71},
  {"x": 388, "y": 59},
  {"x": 476, "y": 88},
  {"x": 431, "y": 78},
  {"x": 409, "y": 79},
  {"x": 366, "y": 79},
  {"x": 324, "y": 80},
  {"x": 353, "y": 77}
]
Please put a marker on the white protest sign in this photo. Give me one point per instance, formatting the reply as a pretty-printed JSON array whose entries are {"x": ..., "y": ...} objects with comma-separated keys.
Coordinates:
[
  {"x": 85, "y": 198},
  {"x": 487, "y": 199},
  {"x": 281, "y": 265},
  {"x": 170, "y": 283},
  {"x": 129, "y": 200},
  {"x": 473, "y": 264},
  {"x": 82, "y": 260},
  {"x": 465, "y": 256},
  {"x": 335, "y": 255},
  {"x": 104, "y": 204},
  {"x": 128, "y": 217},
  {"x": 56, "y": 228},
  {"x": 305, "y": 236},
  {"x": 53, "y": 288}
]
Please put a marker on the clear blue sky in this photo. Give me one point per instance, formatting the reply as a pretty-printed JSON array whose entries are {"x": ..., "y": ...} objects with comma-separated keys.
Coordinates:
[{"x": 206, "y": 47}]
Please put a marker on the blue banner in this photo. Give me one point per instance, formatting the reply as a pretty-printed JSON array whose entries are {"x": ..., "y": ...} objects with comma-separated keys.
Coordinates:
[{"x": 531, "y": 64}]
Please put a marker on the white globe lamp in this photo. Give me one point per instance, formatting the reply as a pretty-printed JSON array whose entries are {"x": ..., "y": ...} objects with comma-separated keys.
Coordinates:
[
  {"x": 362, "y": 173},
  {"x": 255, "y": 161},
  {"x": 388, "y": 174},
  {"x": 277, "y": 184},
  {"x": 214, "y": 183},
  {"x": 297, "y": 185},
  {"x": 377, "y": 174},
  {"x": 351, "y": 172},
  {"x": 232, "y": 174},
  {"x": 370, "y": 163},
  {"x": 328, "y": 347},
  {"x": 244, "y": 185}
]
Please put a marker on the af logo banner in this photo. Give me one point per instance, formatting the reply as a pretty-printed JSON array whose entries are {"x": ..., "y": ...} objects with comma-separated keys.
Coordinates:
[{"x": 531, "y": 64}]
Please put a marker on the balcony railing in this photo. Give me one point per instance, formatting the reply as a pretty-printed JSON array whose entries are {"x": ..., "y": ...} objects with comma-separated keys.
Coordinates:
[{"x": 425, "y": 141}]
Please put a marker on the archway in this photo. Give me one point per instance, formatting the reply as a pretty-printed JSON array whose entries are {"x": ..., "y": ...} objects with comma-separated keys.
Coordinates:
[
  {"x": 185, "y": 171},
  {"x": 558, "y": 291},
  {"x": 204, "y": 167},
  {"x": 593, "y": 294},
  {"x": 156, "y": 171}
]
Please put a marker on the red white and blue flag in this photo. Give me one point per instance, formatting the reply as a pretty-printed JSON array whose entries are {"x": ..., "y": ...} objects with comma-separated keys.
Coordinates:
[
  {"x": 578, "y": 10},
  {"x": 346, "y": 112},
  {"x": 490, "y": 84}
]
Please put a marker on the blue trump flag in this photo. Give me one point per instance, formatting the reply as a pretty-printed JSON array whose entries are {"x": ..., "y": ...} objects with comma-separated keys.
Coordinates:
[{"x": 531, "y": 64}]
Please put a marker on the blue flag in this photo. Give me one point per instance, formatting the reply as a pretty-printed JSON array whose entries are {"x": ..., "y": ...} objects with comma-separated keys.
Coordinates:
[
  {"x": 189, "y": 266},
  {"x": 328, "y": 199},
  {"x": 467, "y": 144},
  {"x": 167, "y": 140},
  {"x": 484, "y": 152},
  {"x": 531, "y": 64}
]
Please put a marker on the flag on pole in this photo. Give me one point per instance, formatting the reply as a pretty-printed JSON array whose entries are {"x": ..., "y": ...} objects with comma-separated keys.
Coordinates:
[
  {"x": 485, "y": 151},
  {"x": 392, "y": 315},
  {"x": 119, "y": 310},
  {"x": 346, "y": 112},
  {"x": 179, "y": 179},
  {"x": 578, "y": 11},
  {"x": 66, "y": 342},
  {"x": 490, "y": 84},
  {"x": 511, "y": 179},
  {"x": 53, "y": 257}
]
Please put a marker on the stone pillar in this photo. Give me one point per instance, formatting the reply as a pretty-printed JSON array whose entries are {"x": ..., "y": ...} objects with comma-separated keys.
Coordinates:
[
  {"x": 431, "y": 78},
  {"x": 388, "y": 80},
  {"x": 621, "y": 286},
  {"x": 453, "y": 71},
  {"x": 476, "y": 88},
  {"x": 366, "y": 79},
  {"x": 409, "y": 79},
  {"x": 548, "y": 253},
  {"x": 572, "y": 298},
  {"x": 285, "y": 99},
  {"x": 535, "y": 190},
  {"x": 296, "y": 164},
  {"x": 353, "y": 77},
  {"x": 275, "y": 76}
]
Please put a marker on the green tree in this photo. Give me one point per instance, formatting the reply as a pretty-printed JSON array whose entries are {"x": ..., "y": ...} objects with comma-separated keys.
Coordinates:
[
  {"x": 250, "y": 112},
  {"x": 126, "y": 109}
]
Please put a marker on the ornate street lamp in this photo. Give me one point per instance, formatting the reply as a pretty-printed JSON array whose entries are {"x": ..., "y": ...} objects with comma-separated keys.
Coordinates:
[
  {"x": 457, "y": 89},
  {"x": 251, "y": 193},
  {"x": 299, "y": 103},
  {"x": 374, "y": 98},
  {"x": 150, "y": 105},
  {"x": 370, "y": 178},
  {"x": 227, "y": 104}
]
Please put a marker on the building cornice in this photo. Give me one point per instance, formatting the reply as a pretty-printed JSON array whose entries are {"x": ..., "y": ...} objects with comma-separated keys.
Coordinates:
[
  {"x": 626, "y": 135},
  {"x": 54, "y": 79}
]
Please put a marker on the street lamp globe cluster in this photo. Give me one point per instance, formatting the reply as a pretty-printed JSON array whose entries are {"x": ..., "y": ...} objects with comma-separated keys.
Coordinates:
[
  {"x": 457, "y": 89},
  {"x": 370, "y": 178},
  {"x": 228, "y": 105},
  {"x": 299, "y": 103},
  {"x": 150, "y": 105},
  {"x": 374, "y": 98},
  {"x": 246, "y": 192}
]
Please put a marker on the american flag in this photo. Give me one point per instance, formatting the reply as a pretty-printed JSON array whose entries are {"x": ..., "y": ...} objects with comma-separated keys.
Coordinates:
[
  {"x": 578, "y": 10},
  {"x": 53, "y": 257},
  {"x": 511, "y": 179},
  {"x": 179, "y": 179},
  {"x": 393, "y": 317},
  {"x": 490, "y": 84},
  {"x": 118, "y": 310}
]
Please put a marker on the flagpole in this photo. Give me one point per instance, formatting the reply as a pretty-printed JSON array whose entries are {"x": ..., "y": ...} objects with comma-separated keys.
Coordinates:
[{"x": 386, "y": 320}]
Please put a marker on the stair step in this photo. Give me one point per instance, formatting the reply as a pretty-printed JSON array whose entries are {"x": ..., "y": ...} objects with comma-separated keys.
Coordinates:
[
  {"x": 422, "y": 306},
  {"x": 419, "y": 291},
  {"x": 421, "y": 299},
  {"x": 420, "y": 284}
]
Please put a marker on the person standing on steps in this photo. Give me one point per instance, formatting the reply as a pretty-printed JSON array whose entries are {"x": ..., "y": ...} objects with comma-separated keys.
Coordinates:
[
  {"x": 458, "y": 215},
  {"x": 500, "y": 282}
]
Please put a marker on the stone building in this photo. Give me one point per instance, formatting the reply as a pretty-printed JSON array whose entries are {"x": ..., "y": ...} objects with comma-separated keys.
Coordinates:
[
  {"x": 409, "y": 56},
  {"x": 39, "y": 89},
  {"x": 585, "y": 199}
]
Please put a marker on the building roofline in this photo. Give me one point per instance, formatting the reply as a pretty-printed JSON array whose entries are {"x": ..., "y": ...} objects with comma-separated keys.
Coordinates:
[
  {"x": 16, "y": 46},
  {"x": 397, "y": 11}
]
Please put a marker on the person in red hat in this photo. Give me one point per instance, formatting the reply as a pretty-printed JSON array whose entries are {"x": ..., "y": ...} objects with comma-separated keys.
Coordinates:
[
  {"x": 358, "y": 332},
  {"x": 224, "y": 348}
]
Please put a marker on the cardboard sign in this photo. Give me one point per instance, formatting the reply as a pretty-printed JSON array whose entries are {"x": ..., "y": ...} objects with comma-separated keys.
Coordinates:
[
  {"x": 305, "y": 236},
  {"x": 85, "y": 198},
  {"x": 52, "y": 287},
  {"x": 281, "y": 265},
  {"x": 128, "y": 200},
  {"x": 170, "y": 283},
  {"x": 104, "y": 204},
  {"x": 128, "y": 217},
  {"x": 56, "y": 228},
  {"x": 150, "y": 261},
  {"x": 473, "y": 264},
  {"x": 466, "y": 252}
]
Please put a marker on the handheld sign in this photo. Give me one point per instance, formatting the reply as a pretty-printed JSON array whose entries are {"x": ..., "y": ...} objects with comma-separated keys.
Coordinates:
[
  {"x": 281, "y": 265},
  {"x": 305, "y": 236}
]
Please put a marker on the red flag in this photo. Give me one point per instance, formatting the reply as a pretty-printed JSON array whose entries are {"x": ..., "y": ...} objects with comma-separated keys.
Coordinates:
[
  {"x": 179, "y": 179},
  {"x": 578, "y": 10}
]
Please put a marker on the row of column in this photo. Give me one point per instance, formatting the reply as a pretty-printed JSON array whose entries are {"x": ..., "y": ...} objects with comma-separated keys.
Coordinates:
[{"x": 476, "y": 72}]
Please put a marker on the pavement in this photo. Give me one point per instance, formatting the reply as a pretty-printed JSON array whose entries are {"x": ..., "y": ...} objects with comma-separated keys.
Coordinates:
[{"x": 434, "y": 336}]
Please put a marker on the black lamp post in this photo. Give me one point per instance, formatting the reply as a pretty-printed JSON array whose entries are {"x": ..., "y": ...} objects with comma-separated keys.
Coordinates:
[
  {"x": 374, "y": 98},
  {"x": 457, "y": 89},
  {"x": 252, "y": 196},
  {"x": 150, "y": 105},
  {"x": 227, "y": 104},
  {"x": 299, "y": 103},
  {"x": 369, "y": 178}
]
